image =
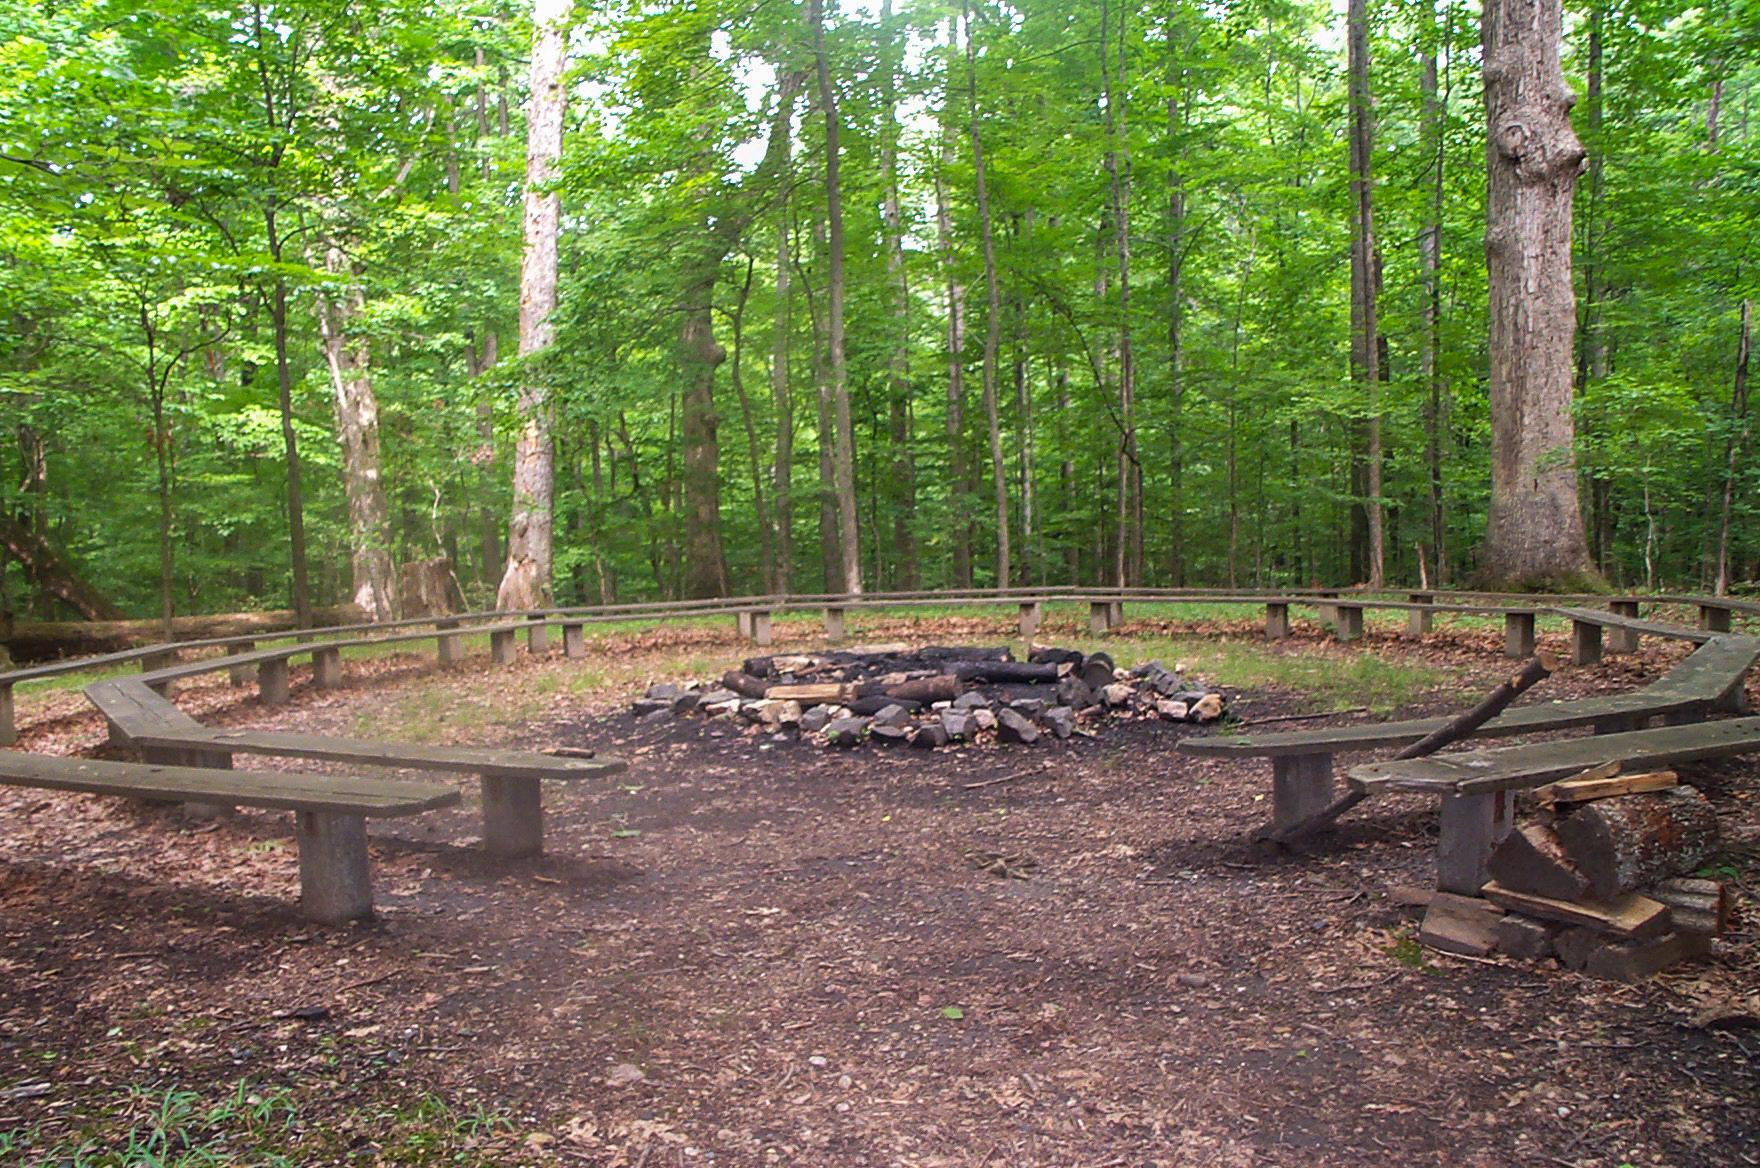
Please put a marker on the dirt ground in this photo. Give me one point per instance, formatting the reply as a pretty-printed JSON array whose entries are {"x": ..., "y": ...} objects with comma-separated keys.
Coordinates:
[{"x": 748, "y": 952}]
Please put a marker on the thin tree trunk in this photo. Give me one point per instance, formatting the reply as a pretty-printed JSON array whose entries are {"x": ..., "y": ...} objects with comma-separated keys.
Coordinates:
[
  {"x": 346, "y": 355},
  {"x": 1736, "y": 444},
  {"x": 1534, "y": 536},
  {"x": 903, "y": 492},
  {"x": 296, "y": 523},
  {"x": 1118, "y": 166},
  {"x": 843, "y": 460},
  {"x": 782, "y": 472},
  {"x": 959, "y": 472},
  {"x": 993, "y": 317},
  {"x": 766, "y": 551},
  {"x": 1365, "y": 326},
  {"x": 526, "y": 583},
  {"x": 1178, "y": 115},
  {"x": 699, "y": 355},
  {"x": 1430, "y": 259}
]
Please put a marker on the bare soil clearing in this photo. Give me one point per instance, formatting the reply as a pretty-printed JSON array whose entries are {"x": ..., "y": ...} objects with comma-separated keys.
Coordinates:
[{"x": 814, "y": 957}]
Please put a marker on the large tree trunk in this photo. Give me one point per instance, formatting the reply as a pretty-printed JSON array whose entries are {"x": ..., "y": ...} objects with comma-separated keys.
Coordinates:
[
  {"x": 843, "y": 453},
  {"x": 53, "y": 574},
  {"x": 1735, "y": 446},
  {"x": 699, "y": 355},
  {"x": 1365, "y": 326},
  {"x": 993, "y": 317},
  {"x": 1534, "y": 537},
  {"x": 48, "y": 640},
  {"x": 357, "y": 427},
  {"x": 526, "y": 582}
]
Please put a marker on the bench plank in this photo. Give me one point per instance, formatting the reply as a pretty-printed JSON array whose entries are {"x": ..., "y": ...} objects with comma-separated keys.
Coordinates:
[
  {"x": 1612, "y": 620},
  {"x": 291, "y": 792},
  {"x": 511, "y": 764},
  {"x": 1481, "y": 771}
]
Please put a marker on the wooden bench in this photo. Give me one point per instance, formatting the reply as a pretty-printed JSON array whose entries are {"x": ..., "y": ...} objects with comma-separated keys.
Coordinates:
[
  {"x": 330, "y": 812},
  {"x": 1477, "y": 786},
  {"x": 1587, "y": 623},
  {"x": 513, "y": 816},
  {"x": 1712, "y": 679}
]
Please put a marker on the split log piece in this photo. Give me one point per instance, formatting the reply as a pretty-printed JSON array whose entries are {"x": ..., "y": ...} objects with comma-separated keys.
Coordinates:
[
  {"x": 1626, "y": 844},
  {"x": 1628, "y": 916},
  {"x": 1585, "y": 788},
  {"x": 1532, "y": 860},
  {"x": 1697, "y": 906}
]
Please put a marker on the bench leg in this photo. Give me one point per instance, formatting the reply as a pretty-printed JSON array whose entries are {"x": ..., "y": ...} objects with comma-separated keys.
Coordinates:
[
  {"x": 1472, "y": 825},
  {"x": 538, "y": 639},
  {"x": 327, "y": 668},
  {"x": 8, "y": 728},
  {"x": 1350, "y": 622},
  {"x": 272, "y": 682},
  {"x": 1099, "y": 618},
  {"x": 1518, "y": 635},
  {"x": 501, "y": 647},
  {"x": 1714, "y": 618},
  {"x": 1276, "y": 622},
  {"x": 743, "y": 622},
  {"x": 761, "y": 635},
  {"x": 834, "y": 624},
  {"x": 574, "y": 641},
  {"x": 1733, "y": 700},
  {"x": 1031, "y": 614},
  {"x": 513, "y": 816},
  {"x": 335, "y": 885},
  {"x": 1418, "y": 621},
  {"x": 1585, "y": 643},
  {"x": 1115, "y": 613},
  {"x": 1622, "y": 640},
  {"x": 1301, "y": 786},
  {"x": 450, "y": 650},
  {"x": 240, "y": 674},
  {"x": 220, "y": 760}
]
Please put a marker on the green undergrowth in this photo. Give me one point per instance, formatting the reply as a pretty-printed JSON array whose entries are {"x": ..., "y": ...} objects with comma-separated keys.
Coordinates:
[{"x": 254, "y": 1126}]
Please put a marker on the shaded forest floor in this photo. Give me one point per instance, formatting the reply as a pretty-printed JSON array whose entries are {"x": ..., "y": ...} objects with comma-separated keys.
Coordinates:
[{"x": 749, "y": 951}]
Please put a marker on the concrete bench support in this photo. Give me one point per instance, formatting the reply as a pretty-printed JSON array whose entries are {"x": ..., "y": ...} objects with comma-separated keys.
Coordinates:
[
  {"x": 1115, "y": 613},
  {"x": 240, "y": 674},
  {"x": 1276, "y": 622},
  {"x": 334, "y": 884},
  {"x": 1622, "y": 640},
  {"x": 1349, "y": 621},
  {"x": 834, "y": 630},
  {"x": 450, "y": 648},
  {"x": 1099, "y": 618},
  {"x": 513, "y": 816},
  {"x": 159, "y": 661},
  {"x": 501, "y": 646},
  {"x": 8, "y": 728},
  {"x": 1585, "y": 643},
  {"x": 538, "y": 637},
  {"x": 1518, "y": 635},
  {"x": 574, "y": 641},
  {"x": 760, "y": 626},
  {"x": 327, "y": 668},
  {"x": 742, "y": 621},
  {"x": 1301, "y": 786},
  {"x": 1418, "y": 620},
  {"x": 1714, "y": 618},
  {"x": 1472, "y": 825},
  {"x": 272, "y": 681},
  {"x": 1032, "y": 612}
]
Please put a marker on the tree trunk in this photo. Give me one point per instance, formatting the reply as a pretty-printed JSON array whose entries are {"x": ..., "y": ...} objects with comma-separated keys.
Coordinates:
[
  {"x": 357, "y": 426},
  {"x": 959, "y": 473},
  {"x": 296, "y": 521},
  {"x": 993, "y": 317},
  {"x": 699, "y": 355},
  {"x": 843, "y": 459},
  {"x": 782, "y": 472},
  {"x": 526, "y": 582},
  {"x": 1628, "y": 843},
  {"x": 1736, "y": 444},
  {"x": 1534, "y": 536},
  {"x": 1178, "y": 107},
  {"x": 1365, "y": 326},
  {"x": 1430, "y": 259},
  {"x": 903, "y": 492},
  {"x": 54, "y": 574},
  {"x": 1118, "y": 168}
]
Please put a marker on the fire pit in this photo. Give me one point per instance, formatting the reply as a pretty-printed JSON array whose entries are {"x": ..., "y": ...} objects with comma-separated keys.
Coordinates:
[{"x": 894, "y": 695}]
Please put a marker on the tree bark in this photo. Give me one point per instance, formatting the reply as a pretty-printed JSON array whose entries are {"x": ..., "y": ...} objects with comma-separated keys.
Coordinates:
[
  {"x": 959, "y": 472},
  {"x": 843, "y": 455},
  {"x": 782, "y": 399},
  {"x": 346, "y": 355},
  {"x": 699, "y": 356},
  {"x": 1629, "y": 843},
  {"x": 1430, "y": 259},
  {"x": 1534, "y": 536},
  {"x": 903, "y": 481},
  {"x": 1365, "y": 326},
  {"x": 1735, "y": 445},
  {"x": 1118, "y": 168},
  {"x": 993, "y": 317},
  {"x": 526, "y": 582}
]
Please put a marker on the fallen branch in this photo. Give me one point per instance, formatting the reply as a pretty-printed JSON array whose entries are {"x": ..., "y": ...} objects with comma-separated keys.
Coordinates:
[{"x": 1303, "y": 717}]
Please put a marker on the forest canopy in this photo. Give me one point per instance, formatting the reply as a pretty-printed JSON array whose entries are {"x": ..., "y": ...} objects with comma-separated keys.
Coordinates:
[{"x": 885, "y": 292}]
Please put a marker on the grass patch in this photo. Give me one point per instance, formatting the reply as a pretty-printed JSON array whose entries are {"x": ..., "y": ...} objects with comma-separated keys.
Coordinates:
[{"x": 260, "y": 1127}]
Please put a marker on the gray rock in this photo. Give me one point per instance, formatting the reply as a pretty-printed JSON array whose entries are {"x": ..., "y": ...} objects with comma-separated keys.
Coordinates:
[
  {"x": 718, "y": 695},
  {"x": 644, "y": 706},
  {"x": 846, "y": 732},
  {"x": 654, "y": 717},
  {"x": 888, "y": 735},
  {"x": 957, "y": 725},
  {"x": 1012, "y": 726},
  {"x": 983, "y": 719},
  {"x": 815, "y": 719},
  {"x": 665, "y": 691},
  {"x": 1172, "y": 711},
  {"x": 1117, "y": 693},
  {"x": 1097, "y": 671},
  {"x": 1060, "y": 720},
  {"x": 930, "y": 735},
  {"x": 1029, "y": 707},
  {"x": 1074, "y": 692},
  {"x": 893, "y": 715},
  {"x": 971, "y": 700},
  {"x": 685, "y": 702},
  {"x": 1524, "y": 937}
]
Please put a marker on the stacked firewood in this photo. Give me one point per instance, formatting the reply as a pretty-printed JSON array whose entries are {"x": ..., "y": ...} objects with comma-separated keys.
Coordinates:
[
  {"x": 1599, "y": 879},
  {"x": 895, "y": 695}
]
